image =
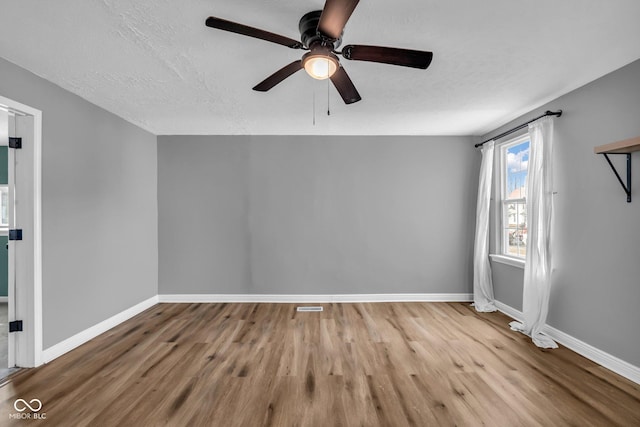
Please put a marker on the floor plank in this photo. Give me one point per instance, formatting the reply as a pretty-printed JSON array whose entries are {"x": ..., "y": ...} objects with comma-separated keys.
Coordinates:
[{"x": 382, "y": 364}]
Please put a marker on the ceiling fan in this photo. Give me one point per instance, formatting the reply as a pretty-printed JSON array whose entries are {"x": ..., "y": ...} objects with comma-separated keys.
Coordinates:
[{"x": 321, "y": 34}]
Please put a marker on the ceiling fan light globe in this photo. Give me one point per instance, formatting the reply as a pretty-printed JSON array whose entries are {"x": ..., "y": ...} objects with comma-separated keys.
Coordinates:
[{"x": 320, "y": 67}]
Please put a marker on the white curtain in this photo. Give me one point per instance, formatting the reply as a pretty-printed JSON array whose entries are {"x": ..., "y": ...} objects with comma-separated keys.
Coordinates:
[
  {"x": 537, "y": 270},
  {"x": 482, "y": 284}
]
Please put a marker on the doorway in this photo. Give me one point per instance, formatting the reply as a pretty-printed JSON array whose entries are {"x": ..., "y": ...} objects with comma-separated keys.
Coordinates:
[
  {"x": 20, "y": 219},
  {"x": 7, "y": 126}
]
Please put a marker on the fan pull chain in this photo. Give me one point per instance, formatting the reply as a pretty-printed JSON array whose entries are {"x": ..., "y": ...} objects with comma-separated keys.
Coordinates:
[
  {"x": 314, "y": 106},
  {"x": 328, "y": 110}
]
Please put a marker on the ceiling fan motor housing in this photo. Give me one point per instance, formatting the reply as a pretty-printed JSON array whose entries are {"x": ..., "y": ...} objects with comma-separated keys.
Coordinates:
[{"x": 309, "y": 34}]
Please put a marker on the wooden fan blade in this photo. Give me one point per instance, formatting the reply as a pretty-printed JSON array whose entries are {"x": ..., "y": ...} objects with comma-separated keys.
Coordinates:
[
  {"x": 278, "y": 76},
  {"x": 388, "y": 55},
  {"x": 345, "y": 87},
  {"x": 334, "y": 17},
  {"x": 223, "y": 24}
]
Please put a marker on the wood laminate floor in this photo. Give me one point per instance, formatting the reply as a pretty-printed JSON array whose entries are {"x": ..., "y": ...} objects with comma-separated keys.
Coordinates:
[{"x": 390, "y": 364}]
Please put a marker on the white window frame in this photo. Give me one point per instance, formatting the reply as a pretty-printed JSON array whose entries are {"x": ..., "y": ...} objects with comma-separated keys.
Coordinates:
[{"x": 501, "y": 211}]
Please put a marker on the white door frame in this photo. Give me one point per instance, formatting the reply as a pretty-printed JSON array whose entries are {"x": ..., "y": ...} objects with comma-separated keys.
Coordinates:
[{"x": 28, "y": 351}]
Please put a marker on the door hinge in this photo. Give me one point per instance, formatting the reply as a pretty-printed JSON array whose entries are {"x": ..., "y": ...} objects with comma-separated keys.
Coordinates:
[
  {"x": 15, "y": 234},
  {"x": 15, "y": 326},
  {"x": 15, "y": 142}
]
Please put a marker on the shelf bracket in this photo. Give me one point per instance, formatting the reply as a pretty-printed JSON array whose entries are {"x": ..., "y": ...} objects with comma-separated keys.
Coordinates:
[{"x": 626, "y": 188}]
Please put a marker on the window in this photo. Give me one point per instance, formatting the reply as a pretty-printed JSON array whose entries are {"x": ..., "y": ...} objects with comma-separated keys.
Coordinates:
[{"x": 514, "y": 160}]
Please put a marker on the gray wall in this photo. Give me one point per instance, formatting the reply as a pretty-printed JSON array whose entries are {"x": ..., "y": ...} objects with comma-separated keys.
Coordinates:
[
  {"x": 99, "y": 207},
  {"x": 202, "y": 215},
  {"x": 316, "y": 215},
  {"x": 596, "y": 273}
]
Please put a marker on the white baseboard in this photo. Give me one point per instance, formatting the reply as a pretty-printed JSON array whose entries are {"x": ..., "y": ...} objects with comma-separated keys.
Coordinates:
[
  {"x": 592, "y": 353},
  {"x": 80, "y": 338},
  {"x": 253, "y": 298},
  {"x": 4, "y": 299},
  {"x": 509, "y": 311}
]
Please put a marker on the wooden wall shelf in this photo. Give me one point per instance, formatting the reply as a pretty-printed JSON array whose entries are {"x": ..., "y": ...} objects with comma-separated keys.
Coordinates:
[
  {"x": 620, "y": 147},
  {"x": 625, "y": 147}
]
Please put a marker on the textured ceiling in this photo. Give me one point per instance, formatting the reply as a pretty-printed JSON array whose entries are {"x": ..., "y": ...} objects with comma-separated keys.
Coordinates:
[{"x": 154, "y": 63}]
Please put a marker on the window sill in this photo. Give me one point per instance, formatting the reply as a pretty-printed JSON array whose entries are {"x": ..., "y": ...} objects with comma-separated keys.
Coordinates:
[{"x": 503, "y": 259}]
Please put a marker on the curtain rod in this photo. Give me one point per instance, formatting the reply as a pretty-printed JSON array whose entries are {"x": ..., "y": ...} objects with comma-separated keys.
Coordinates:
[{"x": 517, "y": 128}]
